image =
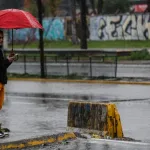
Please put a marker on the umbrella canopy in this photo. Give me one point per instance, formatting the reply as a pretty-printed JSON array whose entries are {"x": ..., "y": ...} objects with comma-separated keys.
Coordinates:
[{"x": 17, "y": 19}]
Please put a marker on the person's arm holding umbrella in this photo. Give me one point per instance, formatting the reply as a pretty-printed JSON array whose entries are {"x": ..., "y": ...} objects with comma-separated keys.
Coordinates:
[{"x": 8, "y": 61}]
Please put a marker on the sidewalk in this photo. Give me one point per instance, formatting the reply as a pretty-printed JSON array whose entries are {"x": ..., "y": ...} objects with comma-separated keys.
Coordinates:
[{"x": 140, "y": 81}]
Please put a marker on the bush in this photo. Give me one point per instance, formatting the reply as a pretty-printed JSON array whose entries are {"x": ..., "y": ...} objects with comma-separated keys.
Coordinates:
[
  {"x": 113, "y": 6},
  {"x": 141, "y": 55}
]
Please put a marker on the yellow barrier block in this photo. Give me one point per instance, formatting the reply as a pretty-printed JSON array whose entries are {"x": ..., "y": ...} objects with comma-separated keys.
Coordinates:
[{"x": 101, "y": 118}]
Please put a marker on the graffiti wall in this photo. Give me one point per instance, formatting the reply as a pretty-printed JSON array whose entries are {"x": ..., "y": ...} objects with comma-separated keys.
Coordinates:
[
  {"x": 120, "y": 27},
  {"x": 53, "y": 30}
]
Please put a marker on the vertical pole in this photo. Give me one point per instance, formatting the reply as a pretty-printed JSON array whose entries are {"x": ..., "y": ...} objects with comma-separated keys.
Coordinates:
[
  {"x": 41, "y": 45},
  {"x": 116, "y": 64},
  {"x": 78, "y": 58},
  {"x": 45, "y": 60},
  {"x": 55, "y": 58},
  {"x": 83, "y": 25},
  {"x": 12, "y": 41},
  {"x": 25, "y": 69},
  {"x": 67, "y": 59},
  {"x": 90, "y": 67},
  {"x": 5, "y": 39}
]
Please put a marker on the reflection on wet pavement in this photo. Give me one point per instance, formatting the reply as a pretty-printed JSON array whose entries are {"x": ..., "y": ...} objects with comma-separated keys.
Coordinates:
[
  {"x": 102, "y": 91},
  {"x": 29, "y": 116},
  {"x": 29, "y": 119},
  {"x": 81, "y": 144},
  {"x": 98, "y": 145}
]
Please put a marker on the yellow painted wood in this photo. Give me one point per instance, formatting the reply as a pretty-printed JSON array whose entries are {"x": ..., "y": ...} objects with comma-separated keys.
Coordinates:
[
  {"x": 36, "y": 142},
  {"x": 95, "y": 116}
]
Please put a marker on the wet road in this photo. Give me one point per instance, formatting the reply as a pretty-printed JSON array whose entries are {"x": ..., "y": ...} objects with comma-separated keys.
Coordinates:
[
  {"x": 36, "y": 108},
  {"x": 83, "y": 69},
  {"x": 93, "y": 144}
]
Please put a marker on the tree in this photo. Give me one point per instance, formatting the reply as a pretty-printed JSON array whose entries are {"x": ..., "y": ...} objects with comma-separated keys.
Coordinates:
[
  {"x": 32, "y": 8},
  {"x": 83, "y": 25},
  {"x": 92, "y": 3},
  {"x": 96, "y": 5},
  {"x": 51, "y": 7},
  {"x": 115, "y": 6},
  {"x": 100, "y": 6}
]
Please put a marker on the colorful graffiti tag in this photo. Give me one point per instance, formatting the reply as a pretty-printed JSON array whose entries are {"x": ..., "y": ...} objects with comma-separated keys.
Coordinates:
[
  {"x": 120, "y": 27},
  {"x": 53, "y": 30}
]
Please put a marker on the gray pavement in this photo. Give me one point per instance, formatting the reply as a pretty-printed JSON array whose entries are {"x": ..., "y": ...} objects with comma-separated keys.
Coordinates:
[
  {"x": 91, "y": 144},
  {"x": 139, "y": 69},
  {"x": 32, "y": 109},
  {"x": 86, "y": 91}
]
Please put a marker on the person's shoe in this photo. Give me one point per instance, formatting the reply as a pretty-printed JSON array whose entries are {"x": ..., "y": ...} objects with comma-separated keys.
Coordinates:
[
  {"x": 2, "y": 134},
  {"x": 5, "y": 131}
]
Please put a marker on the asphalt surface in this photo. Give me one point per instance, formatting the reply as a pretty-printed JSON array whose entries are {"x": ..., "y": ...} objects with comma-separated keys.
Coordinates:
[
  {"x": 80, "y": 144},
  {"x": 33, "y": 109},
  {"x": 83, "y": 69}
]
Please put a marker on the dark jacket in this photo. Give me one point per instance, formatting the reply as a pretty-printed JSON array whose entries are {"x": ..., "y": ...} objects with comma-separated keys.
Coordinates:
[{"x": 4, "y": 64}]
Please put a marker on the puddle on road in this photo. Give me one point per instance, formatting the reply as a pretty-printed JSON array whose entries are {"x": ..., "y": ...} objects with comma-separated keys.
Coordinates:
[{"x": 46, "y": 97}]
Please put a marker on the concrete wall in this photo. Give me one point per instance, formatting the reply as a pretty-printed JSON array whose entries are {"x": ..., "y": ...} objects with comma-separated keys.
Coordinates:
[
  {"x": 53, "y": 30},
  {"x": 117, "y": 27},
  {"x": 120, "y": 27}
]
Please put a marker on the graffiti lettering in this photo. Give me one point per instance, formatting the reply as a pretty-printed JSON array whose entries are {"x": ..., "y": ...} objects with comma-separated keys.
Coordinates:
[
  {"x": 127, "y": 27},
  {"x": 102, "y": 25}
]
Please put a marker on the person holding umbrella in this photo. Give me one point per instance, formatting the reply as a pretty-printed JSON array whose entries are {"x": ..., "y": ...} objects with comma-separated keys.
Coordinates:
[
  {"x": 12, "y": 19},
  {"x": 4, "y": 64}
]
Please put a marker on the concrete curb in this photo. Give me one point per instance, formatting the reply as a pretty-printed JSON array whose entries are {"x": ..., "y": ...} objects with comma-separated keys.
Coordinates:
[
  {"x": 81, "y": 81},
  {"x": 37, "y": 141}
]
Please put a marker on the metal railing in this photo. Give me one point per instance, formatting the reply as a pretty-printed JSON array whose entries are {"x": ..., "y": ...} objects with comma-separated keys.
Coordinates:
[{"x": 69, "y": 59}]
